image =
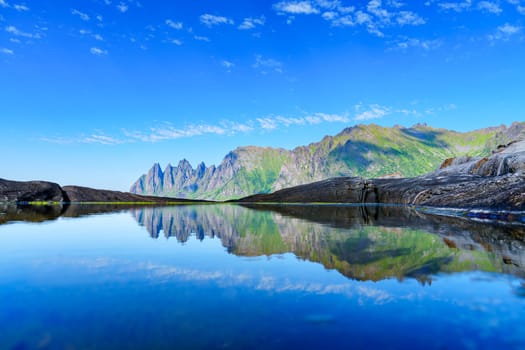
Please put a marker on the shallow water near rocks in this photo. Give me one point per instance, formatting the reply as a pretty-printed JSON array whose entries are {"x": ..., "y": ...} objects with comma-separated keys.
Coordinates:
[{"x": 234, "y": 277}]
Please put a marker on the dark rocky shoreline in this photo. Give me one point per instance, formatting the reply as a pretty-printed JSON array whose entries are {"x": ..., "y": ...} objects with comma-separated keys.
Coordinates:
[{"x": 42, "y": 191}]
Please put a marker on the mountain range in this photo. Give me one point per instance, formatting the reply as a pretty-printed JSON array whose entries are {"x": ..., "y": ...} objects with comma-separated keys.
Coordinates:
[{"x": 364, "y": 150}]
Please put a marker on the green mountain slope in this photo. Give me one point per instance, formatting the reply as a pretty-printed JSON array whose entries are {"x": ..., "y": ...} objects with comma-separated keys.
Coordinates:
[{"x": 363, "y": 150}]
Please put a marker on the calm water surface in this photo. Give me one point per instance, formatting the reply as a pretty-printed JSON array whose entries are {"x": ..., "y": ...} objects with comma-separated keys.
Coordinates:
[{"x": 280, "y": 277}]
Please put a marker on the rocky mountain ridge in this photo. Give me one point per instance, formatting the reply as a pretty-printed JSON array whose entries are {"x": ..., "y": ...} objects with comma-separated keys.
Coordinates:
[{"x": 363, "y": 150}]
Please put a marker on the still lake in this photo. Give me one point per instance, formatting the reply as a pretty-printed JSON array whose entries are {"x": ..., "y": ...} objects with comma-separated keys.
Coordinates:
[{"x": 260, "y": 277}]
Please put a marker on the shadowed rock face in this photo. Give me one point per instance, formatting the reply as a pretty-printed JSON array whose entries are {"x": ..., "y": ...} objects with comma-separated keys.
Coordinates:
[
  {"x": 457, "y": 191},
  {"x": 85, "y": 194},
  {"x": 16, "y": 191}
]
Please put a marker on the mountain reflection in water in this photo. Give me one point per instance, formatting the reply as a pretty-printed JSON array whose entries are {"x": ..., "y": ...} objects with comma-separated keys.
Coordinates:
[{"x": 362, "y": 243}]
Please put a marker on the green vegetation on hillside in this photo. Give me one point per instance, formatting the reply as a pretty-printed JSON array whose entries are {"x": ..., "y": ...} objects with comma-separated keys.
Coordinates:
[{"x": 363, "y": 150}]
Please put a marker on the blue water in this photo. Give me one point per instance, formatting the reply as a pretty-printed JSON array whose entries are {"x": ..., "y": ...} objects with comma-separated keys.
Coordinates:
[{"x": 235, "y": 278}]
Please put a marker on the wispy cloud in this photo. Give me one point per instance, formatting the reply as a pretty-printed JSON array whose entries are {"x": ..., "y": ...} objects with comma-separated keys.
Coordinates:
[
  {"x": 212, "y": 20},
  {"x": 251, "y": 23},
  {"x": 455, "y": 6},
  {"x": 98, "y": 51},
  {"x": 505, "y": 31},
  {"x": 17, "y": 32},
  {"x": 490, "y": 7},
  {"x": 267, "y": 64},
  {"x": 169, "y": 132},
  {"x": 102, "y": 139},
  {"x": 201, "y": 38},
  {"x": 374, "y": 111},
  {"x": 405, "y": 43},
  {"x": 295, "y": 7},
  {"x": 175, "y": 25},
  {"x": 122, "y": 7},
  {"x": 91, "y": 139},
  {"x": 6, "y": 51},
  {"x": 164, "y": 131},
  {"x": 3, "y": 3},
  {"x": 374, "y": 16},
  {"x": 274, "y": 122},
  {"x": 227, "y": 64},
  {"x": 21, "y": 8},
  {"x": 83, "y": 16},
  {"x": 177, "y": 42}
]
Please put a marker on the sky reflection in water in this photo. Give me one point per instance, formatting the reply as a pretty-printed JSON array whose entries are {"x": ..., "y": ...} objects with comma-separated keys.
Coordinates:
[{"x": 280, "y": 277}]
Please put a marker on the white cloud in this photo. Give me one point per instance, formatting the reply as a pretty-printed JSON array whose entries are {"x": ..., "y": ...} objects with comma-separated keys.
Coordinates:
[
  {"x": 122, "y": 7},
  {"x": 273, "y": 122},
  {"x": 98, "y": 37},
  {"x": 505, "y": 31},
  {"x": 101, "y": 139},
  {"x": 212, "y": 20},
  {"x": 6, "y": 51},
  {"x": 251, "y": 23},
  {"x": 169, "y": 132},
  {"x": 15, "y": 31},
  {"x": 21, "y": 8},
  {"x": 83, "y": 16},
  {"x": 490, "y": 7},
  {"x": 3, "y": 3},
  {"x": 173, "y": 24},
  {"x": 98, "y": 138},
  {"x": 296, "y": 7},
  {"x": 201, "y": 38},
  {"x": 374, "y": 15},
  {"x": 98, "y": 51},
  {"x": 406, "y": 43},
  {"x": 265, "y": 64},
  {"x": 455, "y": 6},
  {"x": 267, "y": 123},
  {"x": 345, "y": 21},
  {"x": 227, "y": 64},
  {"x": 176, "y": 42},
  {"x": 329, "y": 15},
  {"x": 509, "y": 29},
  {"x": 409, "y": 18},
  {"x": 373, "y": 112}
]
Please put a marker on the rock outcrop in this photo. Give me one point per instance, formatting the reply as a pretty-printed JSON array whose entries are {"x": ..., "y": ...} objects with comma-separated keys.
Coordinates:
[
  {"x": 41, "y": 191},
  {"x": 505, "y": 192},
  {"x": 34, "y": 191}
]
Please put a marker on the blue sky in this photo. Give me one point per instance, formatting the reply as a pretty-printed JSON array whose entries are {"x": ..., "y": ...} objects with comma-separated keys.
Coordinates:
[{"x": 94, "y": 91}]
